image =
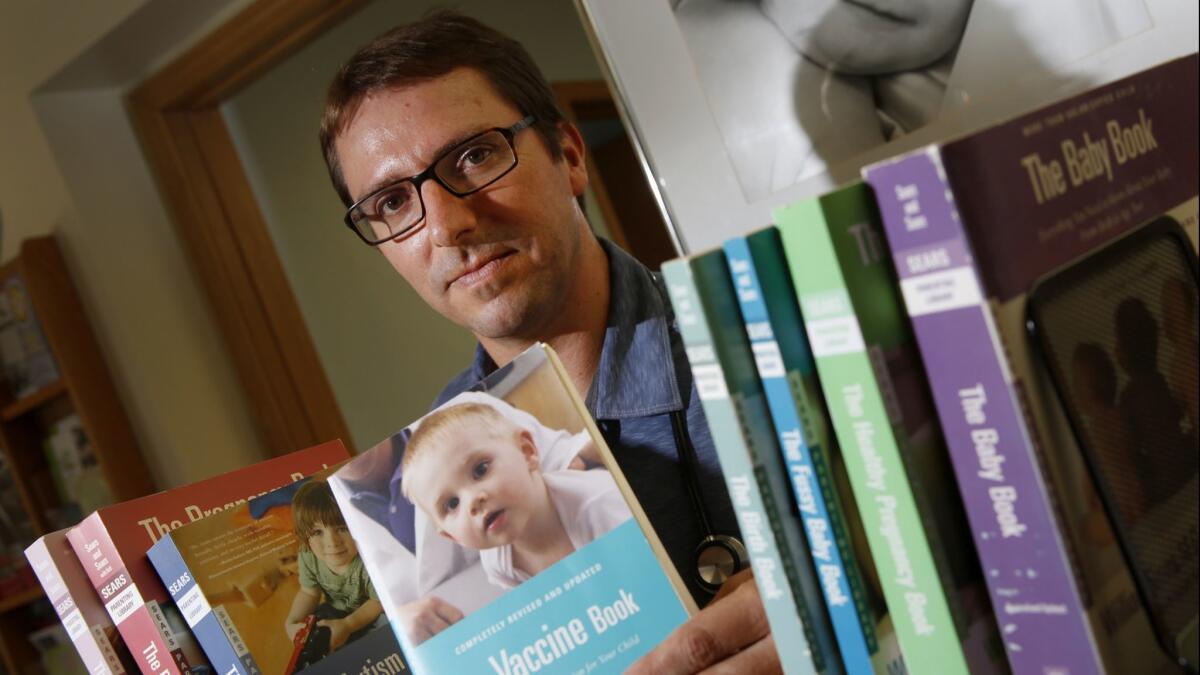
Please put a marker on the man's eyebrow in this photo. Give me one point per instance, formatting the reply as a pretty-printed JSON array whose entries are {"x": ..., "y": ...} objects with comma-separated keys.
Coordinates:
[{"x": 437, "y": 155}]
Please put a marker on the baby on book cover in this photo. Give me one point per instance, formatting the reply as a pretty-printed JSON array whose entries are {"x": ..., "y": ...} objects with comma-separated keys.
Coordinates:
[{"x": 501, "y": 536}]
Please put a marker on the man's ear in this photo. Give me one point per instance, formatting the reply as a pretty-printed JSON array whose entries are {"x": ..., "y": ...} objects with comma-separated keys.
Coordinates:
[
  {"x": 528, "y": 449},
  {"x": 574, "y": 155}
]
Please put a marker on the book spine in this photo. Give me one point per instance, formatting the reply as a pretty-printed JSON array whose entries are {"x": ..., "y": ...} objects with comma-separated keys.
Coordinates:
[
  {"x": 727, "y": 328},
  {"x": 151, "y": 649},
  {"x": 1028, "y": 573},
  {"x": 780, "y": 604},
  {"x": 97, "y": 655},
  {"x": 783, "y": 310},
  {"x": 795, "y": 449},
  {"x": 179, "y": 581},
  {"x": 908, "y": 575}
]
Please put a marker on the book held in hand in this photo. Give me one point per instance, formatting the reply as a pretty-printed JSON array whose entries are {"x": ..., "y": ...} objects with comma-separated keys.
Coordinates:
[{"x": 503, "y": 538}]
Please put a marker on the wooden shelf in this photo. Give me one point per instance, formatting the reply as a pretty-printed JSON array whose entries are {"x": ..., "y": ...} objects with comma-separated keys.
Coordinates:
[
  {"x": 21, "y": 599},
  {"x": 33, "y": 401},
  {"x": 84, "y": 388}
]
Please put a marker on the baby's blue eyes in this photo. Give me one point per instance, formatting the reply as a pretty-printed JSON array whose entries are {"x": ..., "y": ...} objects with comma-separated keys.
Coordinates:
[
  {"x": 477, "y": 472},
  {"x": 480, "y": 470}
]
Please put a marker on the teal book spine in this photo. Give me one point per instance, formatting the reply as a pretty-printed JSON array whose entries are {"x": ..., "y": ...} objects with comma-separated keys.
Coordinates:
[
  {"x": 779, "y": 601},
  {"x": 719, "y": 301},
  {"x": 916, "y": 599},
  {"x": 770, "y": 325}
]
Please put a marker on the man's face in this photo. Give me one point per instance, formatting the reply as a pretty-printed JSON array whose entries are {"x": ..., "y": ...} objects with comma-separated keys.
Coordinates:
[
  {"x": 477, "y": 484},
  {"x": 333, "y": 545},
  {"x": 495, "y": 262}
]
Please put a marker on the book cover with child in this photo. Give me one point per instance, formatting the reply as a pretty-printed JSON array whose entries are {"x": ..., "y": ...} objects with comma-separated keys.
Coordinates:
[
  {"x": 276, "y": 585},
  {"x": 112, "y": 542},
  {"x": 503, "y": 538}
]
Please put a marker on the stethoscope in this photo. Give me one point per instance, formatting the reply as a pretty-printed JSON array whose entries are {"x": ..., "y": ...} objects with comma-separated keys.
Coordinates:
[{"x": 717, "y": 556}]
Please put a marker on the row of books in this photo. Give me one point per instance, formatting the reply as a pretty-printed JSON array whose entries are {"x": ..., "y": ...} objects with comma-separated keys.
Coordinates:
[
  {"x": 923, "y": 484},
  {"x": 319, "y": 562},
  {"x": 983, "y": 359}
]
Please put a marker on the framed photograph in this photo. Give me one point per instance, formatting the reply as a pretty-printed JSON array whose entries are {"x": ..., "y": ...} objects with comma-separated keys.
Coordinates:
[{"x": 740, "y": 106}]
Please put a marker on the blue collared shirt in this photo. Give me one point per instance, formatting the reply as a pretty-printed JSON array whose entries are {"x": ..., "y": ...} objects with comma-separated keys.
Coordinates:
[{"x": 642, "y": 380}]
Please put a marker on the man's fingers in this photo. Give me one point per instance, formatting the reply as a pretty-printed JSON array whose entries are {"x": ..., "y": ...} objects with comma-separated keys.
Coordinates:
[
  {"x": 448, "y": 612},
  {"x": 717, "y": 632},
  {"x": 759, "y": 657},
  {"x": 733, "y": 583}
]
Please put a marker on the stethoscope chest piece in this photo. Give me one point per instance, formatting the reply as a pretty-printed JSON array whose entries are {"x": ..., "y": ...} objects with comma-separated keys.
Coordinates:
[{"x": 718, "y": 557}]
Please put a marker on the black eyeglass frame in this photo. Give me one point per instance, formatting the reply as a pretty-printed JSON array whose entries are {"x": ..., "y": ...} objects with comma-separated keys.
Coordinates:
[{"x": 430, "y": 173}]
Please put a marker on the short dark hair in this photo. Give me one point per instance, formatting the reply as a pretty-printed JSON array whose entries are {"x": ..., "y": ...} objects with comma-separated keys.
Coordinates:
[
  {"x": 313, "y": 505},
  {"x": 428, "y": 49}
]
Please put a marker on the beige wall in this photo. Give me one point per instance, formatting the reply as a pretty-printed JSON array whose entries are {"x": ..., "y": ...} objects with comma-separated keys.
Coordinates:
[
  {"x": 69, "y": 164},
  {"x": 37, "y": 39},
  {"x": 386, "y": 353}
]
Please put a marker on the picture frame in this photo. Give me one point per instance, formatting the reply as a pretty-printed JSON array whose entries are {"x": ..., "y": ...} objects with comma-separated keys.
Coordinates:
[{"x": 996, "y": 74}]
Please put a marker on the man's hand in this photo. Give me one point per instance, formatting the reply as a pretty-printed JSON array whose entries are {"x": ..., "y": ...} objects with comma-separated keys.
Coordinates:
[
  {"x": 293, "y": 628},
  {"x": 424, "y": 618},
  {"x": 730, "y": 635}
]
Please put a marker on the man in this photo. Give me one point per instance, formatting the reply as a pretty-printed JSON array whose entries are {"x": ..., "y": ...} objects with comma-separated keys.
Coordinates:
[{"x": 448, "y": 148}]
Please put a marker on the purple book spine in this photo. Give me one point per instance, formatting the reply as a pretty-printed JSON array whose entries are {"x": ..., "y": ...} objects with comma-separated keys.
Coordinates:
[{"x": 1033, "y": 591}]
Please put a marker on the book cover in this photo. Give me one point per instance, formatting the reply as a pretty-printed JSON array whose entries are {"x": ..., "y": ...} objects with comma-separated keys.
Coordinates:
[
  {"x": 785, "y": 365},
  {"x": 1058, "y": 205},
  {"x": 773, "y": 567},
  {"x": 276, "y": 585},
  {"x": 111, "y": 545},
  {"x": 873, "y": 395},
  {"x": 503, "y": 538},
  {"x": 69, "y": 591}
]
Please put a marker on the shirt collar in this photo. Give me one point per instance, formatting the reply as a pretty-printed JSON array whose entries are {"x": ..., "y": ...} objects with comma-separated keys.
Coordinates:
[{"x": 636, "y": 373}]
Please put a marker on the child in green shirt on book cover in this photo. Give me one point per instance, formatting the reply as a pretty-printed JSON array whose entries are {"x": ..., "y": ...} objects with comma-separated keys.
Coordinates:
[{"x": 330, "y": 568}]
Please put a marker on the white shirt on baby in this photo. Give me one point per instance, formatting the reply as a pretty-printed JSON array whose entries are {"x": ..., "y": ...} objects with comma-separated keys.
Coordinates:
[{"x": 589, "y": 504}]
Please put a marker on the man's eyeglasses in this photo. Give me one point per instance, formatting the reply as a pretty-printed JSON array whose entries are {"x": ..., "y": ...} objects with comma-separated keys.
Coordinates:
[{"x": 468, "y": 167}]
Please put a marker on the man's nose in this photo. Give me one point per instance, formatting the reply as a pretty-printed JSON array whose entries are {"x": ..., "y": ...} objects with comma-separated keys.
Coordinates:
[{"x": 450, "y": 219}]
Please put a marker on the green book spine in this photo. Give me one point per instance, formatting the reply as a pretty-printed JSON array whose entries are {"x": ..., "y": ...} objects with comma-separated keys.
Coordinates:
[
  {"x": 779, "y": 601},
  {"x": 909, "y": 577},
  {"x": 783, "y": 313}
]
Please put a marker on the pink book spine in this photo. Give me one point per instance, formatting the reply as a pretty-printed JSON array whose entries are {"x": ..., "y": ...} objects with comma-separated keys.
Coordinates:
[
  {"x": 153, "y": 650},
  {"x": 62, "y": 589}
]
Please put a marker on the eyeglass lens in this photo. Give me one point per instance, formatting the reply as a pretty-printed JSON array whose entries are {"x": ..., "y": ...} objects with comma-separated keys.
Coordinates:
[{"x": 466, "y": 168}]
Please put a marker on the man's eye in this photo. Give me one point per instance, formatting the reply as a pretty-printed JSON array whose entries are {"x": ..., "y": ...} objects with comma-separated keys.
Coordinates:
[
  {"x": 392, "y": 201},
  {"x": 477, "y": 155},
  {"x": 450, "y": 504},
  {"x": 480, "y": 470}
]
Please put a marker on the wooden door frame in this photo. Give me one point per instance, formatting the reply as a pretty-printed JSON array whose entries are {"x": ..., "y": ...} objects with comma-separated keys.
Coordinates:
[{"x": 191, "y": 153}]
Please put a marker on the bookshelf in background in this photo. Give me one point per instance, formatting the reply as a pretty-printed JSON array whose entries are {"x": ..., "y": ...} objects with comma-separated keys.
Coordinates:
[{"x": 70, "y": 397}]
